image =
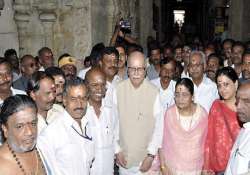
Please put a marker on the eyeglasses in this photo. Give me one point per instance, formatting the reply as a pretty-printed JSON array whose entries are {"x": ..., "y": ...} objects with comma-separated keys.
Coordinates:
[{"x": 139, "y": 70}]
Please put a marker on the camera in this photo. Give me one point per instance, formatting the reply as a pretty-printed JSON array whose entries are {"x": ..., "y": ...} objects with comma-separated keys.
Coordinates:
[{"x": 125, "y": 26}]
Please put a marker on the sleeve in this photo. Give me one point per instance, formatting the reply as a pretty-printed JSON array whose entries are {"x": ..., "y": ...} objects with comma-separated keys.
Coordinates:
[
  {"x": 45, "y": 147},
  {"x": 156, "y": 139},
  {"x": 116, "y": 127}
]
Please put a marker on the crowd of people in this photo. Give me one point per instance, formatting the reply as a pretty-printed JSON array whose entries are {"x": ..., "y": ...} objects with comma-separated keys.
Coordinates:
[{"x": 179, "y": 109}]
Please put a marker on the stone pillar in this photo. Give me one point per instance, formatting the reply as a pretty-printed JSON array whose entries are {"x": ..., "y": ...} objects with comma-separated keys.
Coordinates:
[
  {"x": 22, "y": 19},
  {"x": 48, "y": 20}
]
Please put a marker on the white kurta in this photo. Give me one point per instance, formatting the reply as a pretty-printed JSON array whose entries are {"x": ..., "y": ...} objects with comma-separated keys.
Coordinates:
[
  {"x": 67, "y": 149},
  {"x": 166, "y": 95},
  {"x": 205, "y": 93},
  {"x": 239, "y": 162},
  {"x": 105, "y": 130}
]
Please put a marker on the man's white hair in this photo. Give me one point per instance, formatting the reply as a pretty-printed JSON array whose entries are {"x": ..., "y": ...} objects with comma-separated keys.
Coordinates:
[{"x": 203, "y": 56}]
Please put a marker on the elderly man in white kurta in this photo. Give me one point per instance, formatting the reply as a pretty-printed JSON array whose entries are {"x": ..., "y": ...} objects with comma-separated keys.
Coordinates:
[
  {"x": 140, "y": 119},
  {"x": 239, "y": 162},
  {"x": 66, "y": 144},
  {"x": 205, "y": 91},
  {"x": 103, "y": 120}
]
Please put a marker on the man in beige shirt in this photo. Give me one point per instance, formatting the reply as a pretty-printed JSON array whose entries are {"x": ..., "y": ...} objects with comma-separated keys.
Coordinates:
[{"x": 140, "y": 119}]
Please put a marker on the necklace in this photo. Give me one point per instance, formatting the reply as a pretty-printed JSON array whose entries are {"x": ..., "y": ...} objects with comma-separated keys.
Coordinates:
[
  {"x": 38, "y": 159},
  {"x": 190, "y": 122}
]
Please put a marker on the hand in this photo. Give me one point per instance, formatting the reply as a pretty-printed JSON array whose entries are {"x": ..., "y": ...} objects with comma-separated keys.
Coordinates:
[
  {"x": 146, "y": 164},
  {"x": 120, "y": 159},
  {"x": 121, "y": 34}
]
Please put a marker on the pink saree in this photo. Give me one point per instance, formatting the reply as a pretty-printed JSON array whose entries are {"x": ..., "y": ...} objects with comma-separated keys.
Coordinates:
[
  {"x": 223, "y": 128},
  {"x": 183, "y": 150}
]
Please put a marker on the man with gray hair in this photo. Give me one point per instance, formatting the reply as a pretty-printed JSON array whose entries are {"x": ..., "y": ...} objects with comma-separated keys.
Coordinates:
[
  {"x": 205, "y": 91},
  {"x": 140, "y": 119},
  {"x": 66, "y": 143}
]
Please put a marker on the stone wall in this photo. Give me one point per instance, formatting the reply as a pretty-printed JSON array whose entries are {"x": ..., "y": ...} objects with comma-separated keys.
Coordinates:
[
  {"x": 8, "y": 29},
  {"x": 69, "y": 26}
]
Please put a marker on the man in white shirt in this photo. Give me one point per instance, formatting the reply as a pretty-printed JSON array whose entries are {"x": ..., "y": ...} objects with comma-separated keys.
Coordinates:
[
  {"x": 109, "y": 65},
  {"x": 165, "y": 83},
  {"x": 205, "y": 91},
  {"x": 6, "y": 80},
  {"x": 5, "y": 84},
  {"x": 239, "y": 162},
  {"x": 140, "y": 119},
  {"x": 104, "y": 121},
  {"x": 41, "y": 88},
  {"x": 66, "y": 143}
]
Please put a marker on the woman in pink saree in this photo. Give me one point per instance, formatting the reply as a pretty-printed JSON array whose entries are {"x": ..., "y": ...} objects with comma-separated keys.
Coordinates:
[
  {"x": 185, "y": 126},
  {"x": 223, "y": 126}
]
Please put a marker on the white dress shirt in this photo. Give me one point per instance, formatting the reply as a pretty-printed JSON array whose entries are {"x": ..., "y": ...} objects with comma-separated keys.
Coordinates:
[
  {"x": 105, "y": 131},
  {"x": 82, "y": 73},
  {"x": 14, "y": 92},
  {"x": 110, "y": 86},
  {"x": 56, "y": 111},
  {"x": 239, "y": 162},
  {"x": 205, "y": 93},
  {"x": 67, "y": 148},
  {"x": 166, "y": 95}
]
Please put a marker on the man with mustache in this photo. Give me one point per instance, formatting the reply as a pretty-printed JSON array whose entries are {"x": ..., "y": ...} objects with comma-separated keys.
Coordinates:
[
  {"x": 245, "y": 67},
  {"x": 205, "y": 91},
  {"x": 67, "y": 143},
  {"x": 68, "y": 66},
  {"x": 109, "y": 65},
  {"x": 103, "y": 118},
  {"x": 6, "y": 80},
  {"x": 59, "y": 78},
  {"x": 213, "y": 64},
  {"x": 18, "y": 154},
  {"x": 5, "y": 84},
  {"x": 154, "y": 59},
  {"x": 41, "y": 88},
  {"x": 165, "y": 83},
  {"x": 239, "y": 161}
]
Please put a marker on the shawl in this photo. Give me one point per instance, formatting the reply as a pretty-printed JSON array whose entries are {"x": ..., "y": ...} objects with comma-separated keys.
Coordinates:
[
  {"x": 183, "y": 150},
  {"x": 223, "y": 128}
]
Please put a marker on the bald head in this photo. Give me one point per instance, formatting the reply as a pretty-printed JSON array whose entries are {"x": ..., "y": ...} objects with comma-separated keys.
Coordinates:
[
  {"x": 136, "y": 57},
  {"x": 243, "y": 102},
  {"x": 96, "y": 84},
  {"x": 93, "y": 72}
]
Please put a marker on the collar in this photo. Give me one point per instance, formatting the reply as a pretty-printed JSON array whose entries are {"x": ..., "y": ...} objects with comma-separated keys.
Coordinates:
[{"x": 246, "y": 125}]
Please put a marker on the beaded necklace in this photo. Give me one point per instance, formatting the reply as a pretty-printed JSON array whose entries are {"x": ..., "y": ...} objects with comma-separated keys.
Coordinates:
[{"x": 38, "y": 158}]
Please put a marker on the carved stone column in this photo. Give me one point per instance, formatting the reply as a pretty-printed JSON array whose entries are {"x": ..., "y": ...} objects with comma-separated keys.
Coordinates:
[
  {"x": 47, "y": 17},
  {"x": 22, "y": 19},
  {"x": 48, "y": 20}
]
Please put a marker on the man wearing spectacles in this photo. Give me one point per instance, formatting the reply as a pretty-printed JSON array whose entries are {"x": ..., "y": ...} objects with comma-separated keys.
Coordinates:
[
  {"x": 140, "y": 119},
  {"x": 28, "y": 66}
]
